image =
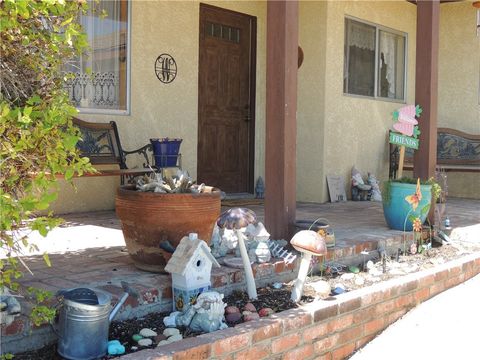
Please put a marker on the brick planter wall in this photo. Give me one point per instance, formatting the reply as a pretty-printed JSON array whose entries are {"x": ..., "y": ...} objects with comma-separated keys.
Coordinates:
[{"x": 331, "y": 329}]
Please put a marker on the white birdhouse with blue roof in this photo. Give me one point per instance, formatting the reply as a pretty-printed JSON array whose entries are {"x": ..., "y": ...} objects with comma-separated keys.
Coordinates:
[{"x": 191, "y": 269}]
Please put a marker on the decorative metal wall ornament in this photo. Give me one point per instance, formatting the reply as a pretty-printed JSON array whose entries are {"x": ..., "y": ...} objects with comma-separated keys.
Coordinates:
[{"x": 165, "y": 68}]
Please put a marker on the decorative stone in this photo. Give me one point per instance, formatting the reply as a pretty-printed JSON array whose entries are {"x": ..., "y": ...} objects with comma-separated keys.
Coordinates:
[
  {"x": 347, "y": 276},
  {"x": 231, "y": 310},
  {"x": 250, "y": 317},
  {"x": 250, "y": 307},
  {"x": 145, "y": 342},
  {"x": 354, "y": 269},
  {"x": 370, "y": 264},
  {"x": 321, "y": 287},
  {"x": 115, "y": 348},
  {"x": 246, "y": 312},
  {"x": 134, "y": 348},
  {"x": 170, "y": 332},
  {"x": 163, "y": 342},
  {"x": 233, "y": 317},
  {"x": 359, "y": 281},
  {"x": 145, "y": 332},
  {"x": 174, "y": 338},
  {"x": 137, "y": 337},
  {"x": 159, "y": 338},
  {"x": 3, "y": 306},
  {"x": 338, "y": 290},
  {"x": 265, "y": 312},
  {"x": 277, "y": 285}
]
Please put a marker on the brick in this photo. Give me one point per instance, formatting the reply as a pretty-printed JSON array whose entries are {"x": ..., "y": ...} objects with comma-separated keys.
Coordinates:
[
  {"x": 374, "y": 326},
  {"x": 363, "y": 341},
  {"x": 348, "y": 335},
  {"x": 195, "y": 353},
  {"x": 231, "y": 344},
  {"x": 327, "y": 356},
  {"x": 404, "y": 301},
  {"x": 344, "y": 351},
  {"x": 395, "y": 316},
  {"x": 262, "y": 330},
  {"x": 238, "y": 277},
  {"x": 325, "y": 312},
  {"x": 454, "y": 281},
  {"x": 375, "y": 297},
  {"x": 326, "y": 344},
  {"x": 456, "y": 270},
  {"x": 441, "y": 275},
  {"x": 255, "y": 352},
  {"x": 385, "y": 307},
  {"x": 426, "y": 281},
  {"x": 286, "y": 342},
  {"x": 219, "y": 280},
  {"x": 295, "y": 320},
  {"x": 340, "y": 323},
  {"x": 279, "y": 267},
  {"x": 408, "y": 286},
  {"x": 468, "y": 266},
  {"x": 437, "y": 288},
  {"x": 303, "y": 352},
  {"x": 315, "y": 332},
  {"x": 263, "y": 270},
  {"x": 364, "y": 314},
  {"x": 349, "y": 305},
  {"x": 421, "y": 295}
]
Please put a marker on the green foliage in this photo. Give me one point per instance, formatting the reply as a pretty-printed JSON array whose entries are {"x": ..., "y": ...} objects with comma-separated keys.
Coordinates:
[
  {"x": 37, "y": 137},
  {"x": 436, "y": 188}
]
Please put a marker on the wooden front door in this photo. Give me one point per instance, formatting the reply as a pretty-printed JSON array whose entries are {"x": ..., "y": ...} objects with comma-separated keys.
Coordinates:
[{"x": 226, "y": 99}]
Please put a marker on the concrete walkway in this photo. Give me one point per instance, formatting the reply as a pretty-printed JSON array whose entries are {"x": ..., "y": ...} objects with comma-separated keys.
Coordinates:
[{"x": 444, "y": 327}]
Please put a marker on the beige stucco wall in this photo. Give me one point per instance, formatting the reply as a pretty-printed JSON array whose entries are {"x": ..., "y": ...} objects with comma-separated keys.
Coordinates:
[
  {"x": 335, "y": 131},
  {"x": 356, "y": 127},
  {"x": 459, "y": 80},
  {"x": 161, "y": 110}
]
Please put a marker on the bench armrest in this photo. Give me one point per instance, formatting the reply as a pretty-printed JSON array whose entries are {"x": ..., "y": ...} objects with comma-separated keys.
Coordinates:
[{"x": 140, "y": 151}]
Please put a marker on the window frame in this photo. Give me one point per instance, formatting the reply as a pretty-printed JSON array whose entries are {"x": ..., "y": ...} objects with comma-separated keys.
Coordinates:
[
  {"x": 378, "y": 28},
  {"x": 125, "y": 112}
]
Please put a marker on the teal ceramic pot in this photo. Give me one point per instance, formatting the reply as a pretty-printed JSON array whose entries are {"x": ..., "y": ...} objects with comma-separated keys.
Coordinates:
[{"x": 398, "y": 209}]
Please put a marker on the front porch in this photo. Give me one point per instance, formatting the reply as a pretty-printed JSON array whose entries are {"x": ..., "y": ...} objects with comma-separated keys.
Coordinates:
[{"x": 89, "y": 251}]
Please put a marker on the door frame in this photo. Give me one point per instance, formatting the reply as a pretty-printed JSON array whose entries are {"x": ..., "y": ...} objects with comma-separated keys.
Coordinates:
[{"x": 252, "y": 89}]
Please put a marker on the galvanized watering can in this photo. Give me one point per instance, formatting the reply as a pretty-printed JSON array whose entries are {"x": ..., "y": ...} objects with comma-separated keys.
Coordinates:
[{"x": 84, "y": 319}]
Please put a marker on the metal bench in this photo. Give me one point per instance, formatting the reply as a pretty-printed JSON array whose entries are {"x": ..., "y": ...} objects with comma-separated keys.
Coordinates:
[
  {"x": 456, "y": 151},
  {"x": 101, "y": 144}
]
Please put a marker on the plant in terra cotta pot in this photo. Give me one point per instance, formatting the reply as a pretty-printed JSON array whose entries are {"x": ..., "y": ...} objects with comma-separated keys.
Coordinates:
[{"x": 157, "y": 213}]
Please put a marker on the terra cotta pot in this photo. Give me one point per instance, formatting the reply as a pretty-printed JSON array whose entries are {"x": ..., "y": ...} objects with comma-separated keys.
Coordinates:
[{"x": 153, "y": 222}]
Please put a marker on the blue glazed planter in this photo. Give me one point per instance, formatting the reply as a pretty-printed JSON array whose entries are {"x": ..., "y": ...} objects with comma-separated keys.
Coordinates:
[{"x": 398, "y": 209}]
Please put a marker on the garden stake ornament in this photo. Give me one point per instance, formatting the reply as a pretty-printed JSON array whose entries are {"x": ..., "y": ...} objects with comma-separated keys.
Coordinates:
[
  {"x": 237, "y": 219},
  {"x": 309, "y": 243}
]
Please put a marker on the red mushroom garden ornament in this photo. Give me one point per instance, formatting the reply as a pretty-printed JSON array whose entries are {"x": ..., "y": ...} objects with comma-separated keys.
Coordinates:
[
  {"x": 236, "y": 219},
  {"x": 309, "y": 243}
]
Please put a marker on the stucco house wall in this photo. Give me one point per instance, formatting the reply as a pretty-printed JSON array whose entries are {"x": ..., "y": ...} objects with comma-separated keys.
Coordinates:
[{"x": 335, "y": 131}]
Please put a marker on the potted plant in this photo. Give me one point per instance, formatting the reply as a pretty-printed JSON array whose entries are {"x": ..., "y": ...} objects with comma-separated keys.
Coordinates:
[
  {"x": 157, "y": 213},
  {"x": 406, "y": 199}
]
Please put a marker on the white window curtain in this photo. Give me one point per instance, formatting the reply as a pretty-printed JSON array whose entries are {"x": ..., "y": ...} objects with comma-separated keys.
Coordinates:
[
  {"x": 97, "y": 77},
  {"x": 387, "y": 59},
  {"x": 361, "y": 35}
]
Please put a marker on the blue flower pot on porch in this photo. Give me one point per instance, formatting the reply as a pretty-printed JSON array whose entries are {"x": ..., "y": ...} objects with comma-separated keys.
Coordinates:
[{"x": 397, "y": 210}]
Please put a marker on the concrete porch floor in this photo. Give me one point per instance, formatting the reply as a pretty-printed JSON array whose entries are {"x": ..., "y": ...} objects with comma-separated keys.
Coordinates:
[{"x": 89, "y": 251}]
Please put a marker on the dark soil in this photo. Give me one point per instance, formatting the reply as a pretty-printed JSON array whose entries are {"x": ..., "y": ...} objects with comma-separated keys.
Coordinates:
[{"x": 276, "y": 299}]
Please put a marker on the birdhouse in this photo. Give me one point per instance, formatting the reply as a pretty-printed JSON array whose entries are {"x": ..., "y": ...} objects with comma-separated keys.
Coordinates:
[{"x": 191, "y": 268}]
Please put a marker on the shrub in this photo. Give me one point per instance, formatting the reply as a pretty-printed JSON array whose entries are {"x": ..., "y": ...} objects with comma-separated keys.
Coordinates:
[{"x": 37, "y": 137}]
